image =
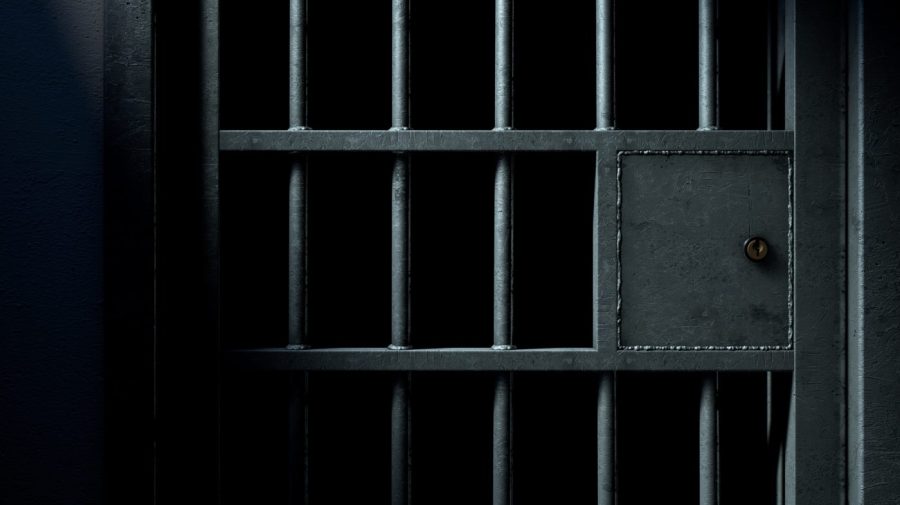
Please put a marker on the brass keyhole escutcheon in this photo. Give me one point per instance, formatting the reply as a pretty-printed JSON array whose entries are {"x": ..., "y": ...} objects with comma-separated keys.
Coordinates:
[{"x": 756, "y": 248}]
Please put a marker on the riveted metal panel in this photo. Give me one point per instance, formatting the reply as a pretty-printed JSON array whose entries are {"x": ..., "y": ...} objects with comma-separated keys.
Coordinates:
[{"x": 684, "y": 281}]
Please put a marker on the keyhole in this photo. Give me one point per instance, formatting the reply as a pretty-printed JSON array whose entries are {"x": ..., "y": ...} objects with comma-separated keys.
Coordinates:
[{"x": 755, "y": 248}]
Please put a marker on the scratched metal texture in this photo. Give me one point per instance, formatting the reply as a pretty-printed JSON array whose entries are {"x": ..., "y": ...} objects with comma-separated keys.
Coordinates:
[{"x": 685, "y": 281}]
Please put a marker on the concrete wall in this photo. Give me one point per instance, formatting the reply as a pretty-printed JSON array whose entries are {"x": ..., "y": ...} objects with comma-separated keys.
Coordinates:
[{"x": 51, "y": 251}]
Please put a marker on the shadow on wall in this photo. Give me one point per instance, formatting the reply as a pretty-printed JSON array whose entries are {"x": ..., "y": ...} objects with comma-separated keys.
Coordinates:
[{"x": 51, "y": 243}]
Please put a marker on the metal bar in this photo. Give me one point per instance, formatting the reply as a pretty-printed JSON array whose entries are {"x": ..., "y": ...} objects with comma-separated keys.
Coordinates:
[
  {"x": 209, "y": 166},
  {"x": 400, "y": 285},
  {"x": 605, "y": 57},
  {"x": 482, "y": 359},
  {"x": 708, "y": 89},
  {"x": 709, "y": 477},
  {"x": 775, "y": 430},
  {"x": 503, "y": 179},
  {"x": 400, "y": 440},
  {"x": 771, "y": 57},
  {"x": 606, "y": 441},
  {"x": 770, "y": 418},
  {"x": 400, "y": 179},
  {"x": 400, "y": 64},
  {"x": 503, "y": 228},
  {"x": 298, "y": 448},
  {"x": 502, "y": 453},
  {"x": 298, "y": 430},
  {"x": 501, "y": 140},
  {"x": 503, "y": 254},
  {"x": 503, "y": 65},
  {"x": 789, "y": 490},
  {"x": 297, "y": 256},
  {"x": 297, "y": 182},
  {"x": 605, "y": 121},
  {"x": 400, "y": 253},
  {"x": 297, "y": 56},
  {"x": 817, "y": 105}
]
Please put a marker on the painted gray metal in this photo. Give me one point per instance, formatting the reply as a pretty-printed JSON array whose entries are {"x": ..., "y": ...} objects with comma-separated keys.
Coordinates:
[
  {"x": 298, "y": 406},
  {"x": 503, "y": 248},
  {"x": 209, "y": 168},
  {"x": 503, "y": 226},
  {"x": 606, "y": 440},
  {"x": 874, "y": 254},
  {"x": 502, "y": 140},
  {"x": 606, "y": 110},
  {"x": 708, "y": 71},
  {"x": 685, "y": 281},
  {"x": 401, "y": 455},
  {"x": 298, "y": 438},
  {"x": 297, "y": 188},
  {"x": 486, "y": 359},
  {"x": 709, "y": 446},
  {"x": 815, "y": 462},
  {"x": 501, "y": 461},
  {"x": 606, "y": 120}
]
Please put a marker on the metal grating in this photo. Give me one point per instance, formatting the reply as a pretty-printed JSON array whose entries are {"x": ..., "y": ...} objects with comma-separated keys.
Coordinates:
[{"x": 400, "y": 356}]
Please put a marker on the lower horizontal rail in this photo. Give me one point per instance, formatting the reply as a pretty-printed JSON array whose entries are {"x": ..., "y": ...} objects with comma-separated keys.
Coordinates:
[
  {"x": 479, "y": 359},
  {"x": 501, "y": 140}
]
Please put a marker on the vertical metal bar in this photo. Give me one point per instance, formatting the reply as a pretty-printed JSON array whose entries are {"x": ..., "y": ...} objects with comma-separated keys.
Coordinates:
[
  {"x": 297, "y": 182},
  {"x": 606, "y": 441},
  {"x": 400, "y": 178},
  {"x": 298, "y": 448},
  {"x": 209, "y": 152},
  {"x": 771, "y": 58},
  {"x": 708, "y": 120},
  {"x": 503, "y": 253},
  {"x": 297, "y": 255},
  {"x": 605, "y": 121},
  {"x": 503, "y": 179},
  {"x": 502, "y": 453},
  {"x": 400, "y": 281},
  {"x": 400, "y": 64},
  {"x": 708, "y": 89},
  {"x": 503, "y": 36},
  {"x": 503, "y": 66},
  {"x": 708, "y": 442},
  {"x": 297, "y": 55},
  {"x": 775, "y": 433},
  {"x": 605, "y": 98},
  {"x": 790, "y": 60},
  {"x": 400, "y": 436},
  {"x": 298, "y": 408},
  {"x": 789, "y": 489},
  {"x": 400, "y": 253}
]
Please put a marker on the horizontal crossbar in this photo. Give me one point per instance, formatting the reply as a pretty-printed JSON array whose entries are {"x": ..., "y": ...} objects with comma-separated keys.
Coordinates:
[
  {"x": 480, "y": 359},
  {"x": 502, "y": 140}
]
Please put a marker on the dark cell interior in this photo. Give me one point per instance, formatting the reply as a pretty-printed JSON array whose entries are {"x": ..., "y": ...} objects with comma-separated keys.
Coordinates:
[{"x": 451, "y": 249}]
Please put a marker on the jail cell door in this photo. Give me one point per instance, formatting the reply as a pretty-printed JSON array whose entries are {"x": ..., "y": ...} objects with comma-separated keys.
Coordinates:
[{"x": 518, "y": 253}]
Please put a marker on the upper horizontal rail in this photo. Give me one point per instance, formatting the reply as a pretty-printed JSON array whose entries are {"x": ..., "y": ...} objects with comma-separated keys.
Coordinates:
[
  {"x": 502, "y": 140},
  {"x": 480, "y": 359}
]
